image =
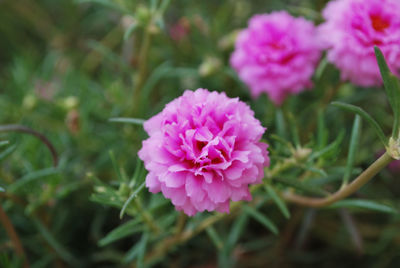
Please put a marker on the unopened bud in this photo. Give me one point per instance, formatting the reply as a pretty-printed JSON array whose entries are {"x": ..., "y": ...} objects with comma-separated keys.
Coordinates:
[
  {"x": 70, "y": 102},
  {"x": 142, "y": 14},
  {"x": 209, "y": 66},
  {"x": 301, "y": 154},
  {"x": 394, "y": 148},
  {"x": 29, "y": 101}
]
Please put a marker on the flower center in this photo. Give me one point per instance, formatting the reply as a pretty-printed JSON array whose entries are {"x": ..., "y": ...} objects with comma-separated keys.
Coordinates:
[{"x": 378, "y": 23}]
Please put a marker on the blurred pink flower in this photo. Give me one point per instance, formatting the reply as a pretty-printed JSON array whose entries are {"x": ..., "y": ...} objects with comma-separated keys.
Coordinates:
[
  {"x": 394, "y": 166},
  {"x": 203, "y": 151},
  {"x": 180, "y": 30},
  {"x": 277, "y": 54},
  {"x": 353, "y": 28}
]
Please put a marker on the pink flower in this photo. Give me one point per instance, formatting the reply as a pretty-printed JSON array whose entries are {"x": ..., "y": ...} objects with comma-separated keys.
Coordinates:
[
  {"x": 180, "y": 30},
  {"x": 203, "y": 151},
  {"x": 277, "y": 54},
  {"x": 353, "y": 28}
]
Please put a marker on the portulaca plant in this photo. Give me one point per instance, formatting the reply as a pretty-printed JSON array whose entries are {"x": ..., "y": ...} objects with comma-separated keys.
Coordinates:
[{"x": 242, "y": 149}]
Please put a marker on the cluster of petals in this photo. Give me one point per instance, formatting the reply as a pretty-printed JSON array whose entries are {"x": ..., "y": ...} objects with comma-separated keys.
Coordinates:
[
  {"x": 277, "y": 54},
  {"x": 204, "y": 151},
  {"x": 352, "y": 29}
]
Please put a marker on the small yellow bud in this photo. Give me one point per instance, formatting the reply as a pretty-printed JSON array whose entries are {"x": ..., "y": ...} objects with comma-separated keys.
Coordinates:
[
  {"x": 209, "y": 66},
  {"x": 70, "y": 102},
  {"x": 301, "y": 154},
  {"x": 29, "y": 101}
]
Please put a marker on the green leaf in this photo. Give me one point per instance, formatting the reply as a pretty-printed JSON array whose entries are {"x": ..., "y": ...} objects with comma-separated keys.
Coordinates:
[
  {"x": 130, "y": 30},
  {"x": 366, "y": 204},
  {"x": 328, "y": 150},
  {"x": 131, "y": 197},
  {"x": 281, "y": 141},
  {"x": 321, "y": 69},
  {"x": 106, "y": 3},
  {"x": 109, "y": 56},
  {"x": 225, "y": 255},
  {"x": 105, "y": 195},
  {"x": 160, "y": 72},
  {"x": 153, "y": 5},
  {"x": 58, "y": 247},
  {"x": 4, "y": 143},
  {"x": 319, "y": 171},
  {"x": 122, "y": 231},
  {"x": 131, "y": 254},
  {"x": 278, "y": 201},
  {"x": 142, "y": 250},
  {"x": 294, "y": 130},
  {"x": 335, "y": 175},
  {"x": 137, "y": 251},
  {"x": 355, "y": 137},
  {"x": 303, "y": 186},
  {"x": 134, "y": 121},
  {"x": 214, "y": 237},
  {"x": 117, "y": 169},
  {"x": 392, "y": 88},
  {"x": 365, "y": 116},
  {"x": 261, "y": 218},
  {"x": 396, "y": 124},
  {"x": 164, "y": 5},
  {"x": 138, "y": 172},
  {"x": 22, "y": 182},
  {"x": 7, "y": 152},
  {"x": 235, "y": 232},
  {"x": 106, "y": 200},
  {"x": 280, "y": 124},
  {"x": 322, "y": 132}
]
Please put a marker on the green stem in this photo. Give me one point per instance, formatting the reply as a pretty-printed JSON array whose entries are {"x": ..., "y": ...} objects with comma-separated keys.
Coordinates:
[
  {"x": 165, "y": 245},
  {"x": 367, "y": 175},
  {"x": 142, "y": 65},
  {"x": 8, "y": 226},
  {"x": 180, "y": 225},
  {"x": 148, "y": 219},
  {"x": 345, "y": 191}
]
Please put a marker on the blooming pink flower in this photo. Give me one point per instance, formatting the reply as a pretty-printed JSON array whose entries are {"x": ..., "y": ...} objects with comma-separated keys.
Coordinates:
[
  {"x": 203, "y": 151},
  {"x": 277, "y": 54},
  {"x": 353, "y": 28}
]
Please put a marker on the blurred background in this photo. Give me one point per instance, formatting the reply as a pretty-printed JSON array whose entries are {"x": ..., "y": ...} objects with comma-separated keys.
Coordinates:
[{"x": 67, "y": 67}]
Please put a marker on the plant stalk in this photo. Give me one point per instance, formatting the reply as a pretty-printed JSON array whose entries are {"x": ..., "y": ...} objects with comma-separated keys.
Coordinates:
[
  {"x": 8, "y": 226},
  {"x": 345, "y": 191},
  {"x": 147, "y": 218},
  {"x": 142, "y": 65},
  {"x": 164, "y": 246},
  {"x": 40, "y": 136}
]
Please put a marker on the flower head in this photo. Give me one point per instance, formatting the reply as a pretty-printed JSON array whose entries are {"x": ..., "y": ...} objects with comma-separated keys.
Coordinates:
[
  {"x": 203, "y": 151},
  {"x": 353, "y": 28},
  {"x": 277, "y": 54}
]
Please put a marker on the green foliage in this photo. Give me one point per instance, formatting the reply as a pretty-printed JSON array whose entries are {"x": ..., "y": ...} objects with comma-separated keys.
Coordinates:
[
  {"x": 365, "y": 204},
  {"x": 264, "y": 220},
  {"x": 278, "y": 201},
  {"x": 355, "y": 137},
  {"x": 366, "y": 117},
  {"x": 392, "y": 87},
  {"x": 70, "y": 70}
]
